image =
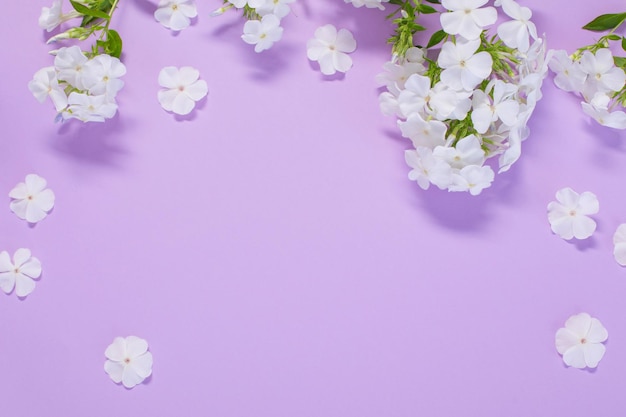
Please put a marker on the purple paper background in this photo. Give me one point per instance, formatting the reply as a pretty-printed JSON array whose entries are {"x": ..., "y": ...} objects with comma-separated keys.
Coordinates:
[{"x": 272, "y": 251}]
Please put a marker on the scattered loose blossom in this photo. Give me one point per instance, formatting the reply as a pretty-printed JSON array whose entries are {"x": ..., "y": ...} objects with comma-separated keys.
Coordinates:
[
  {"x": 568, "y": 215},
  {"x": 470, "y": 101},
  {"x": 182, "y": 89},
  {"x": 580, "y": 341},
  {"x": 330, "y": 48},
  {"x": 619, "y": 242},
  {"x": 176, "y": 14},
  {"x": 20, "y": 273},
  {"x": 128, "y": 361},
  {"x": 262, "y": 33},
  {"x": 31, "y": 200}
]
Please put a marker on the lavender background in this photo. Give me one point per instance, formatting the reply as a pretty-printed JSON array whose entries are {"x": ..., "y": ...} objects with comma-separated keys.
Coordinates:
[{"x": 272, "y": 251}]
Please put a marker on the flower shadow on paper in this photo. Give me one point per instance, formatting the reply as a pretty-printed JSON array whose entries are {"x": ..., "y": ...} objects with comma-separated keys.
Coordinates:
[{"x": 91, "y": 142}]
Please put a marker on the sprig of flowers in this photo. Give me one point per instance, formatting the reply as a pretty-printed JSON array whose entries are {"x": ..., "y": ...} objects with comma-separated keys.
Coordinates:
[
  {"x": 471, "y": 99},
  {"x": 82, "y": 85},
  {"x": 594, "y": 73}
]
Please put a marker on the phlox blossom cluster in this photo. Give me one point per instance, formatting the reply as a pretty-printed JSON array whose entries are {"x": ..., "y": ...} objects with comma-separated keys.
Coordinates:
[
  {"x": 79, "y": 87},
  {"x": 263, "y": 27},
  {"x": 473, "y": 100},
  {"x": 595, "y": 77}
]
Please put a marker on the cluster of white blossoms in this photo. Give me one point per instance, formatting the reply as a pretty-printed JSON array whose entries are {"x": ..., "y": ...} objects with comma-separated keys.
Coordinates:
[
  {"x": 595, "y": 77},
  {"x": 473, "y": 101},
  {"x": 79, "y": 87},
  {"x": 262, "y": 28}
]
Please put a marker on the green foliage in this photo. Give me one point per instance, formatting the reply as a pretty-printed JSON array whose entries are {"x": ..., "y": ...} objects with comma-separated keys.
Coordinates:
[
  {"x": 406, "y": 23},
  {"x": 436, "y": 38},
  {"x": 606, "y": 22}
]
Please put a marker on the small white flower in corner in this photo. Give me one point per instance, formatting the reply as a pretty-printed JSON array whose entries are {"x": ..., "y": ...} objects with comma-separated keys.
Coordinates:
[
  {"x": 182, "y": 89},
  {"x": 20, "y": 273},
  {"x": 568, "y": 216},
  {"x": 580, "y": 341},
  {"x": 128, "y": 361},
  {"x": 262, "y": 33},
  {"x": 330, "y": 48},
  {"x": 176, "y": 14},
  {"x": 619, "y": 242},
  {"x": 31, "y": 201}
]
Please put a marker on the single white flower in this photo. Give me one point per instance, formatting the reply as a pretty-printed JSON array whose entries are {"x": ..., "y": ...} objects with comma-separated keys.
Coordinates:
[
  {"x": 262, "y": 33},
  {"x": 428, "y": 168},
  {"x": 463, "y": 68},
  {"x": 51, "y": 17},
  {"x": 427, "y": 133},
  {"x": 88, "y": 108},
  {"x": 279, "y": 8},
  {"x": 395, "y": 76},
  {"x": 466, "y": 17},
  {"x": 466, "y": 152},
  {"x": 515, "y": 33},
  {"x": 45, "y": 84},
  {"x": 580, "y": 341},
  {"x": 598, "y": 109},
  {"x": 102, "y": 75},
  {"x": 504, "y": 106},
  {"x": 128, "y": 361},
  {"x": 568, "y": 215},
  {"x": 31, "y": 200},
  {"x": 603, "y": 75},
  {"x": 368, "y": 3},
  {"x": 619, "y": 242},
  {"x": 176, "y": 14},
  {"x": 70, "y": 63},
  {"x": 182, "y": 89},
  {"x": 20, "y": 273},
  {"x": 414, "y": 96},
  {"x": 330, "y": 48},
  {"x": 472, "y": 178},
  {"x": 568, "y": 74}
]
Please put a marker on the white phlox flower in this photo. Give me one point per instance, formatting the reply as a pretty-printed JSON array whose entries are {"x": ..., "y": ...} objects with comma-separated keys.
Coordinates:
[
  {"x": 128, "y": 361},
  {"x": 504, "y": 107},
  {"x": 395, "y": 76},
  {"x": 31, "y": 200},
  {"x": 19, "y": 274},
  {"x": 467, "y": 151},
  {"x": 426, "y": 133},
  {"x": 368, "y": 3},
  {"x": 603, "y": 75},
  {"x": 427, "y": 168},
  {"x": 45, "y": 84},
  {"x": 598, "y": 109},
  {"x": 102, "y": 75},
  {"x": 515, "y": 33},
  {"x": 619, "y": 244},
  {"x": 88, "y": 108},
  {"x": 580, "y": 341},
  {"x": 330, "y": 48},
  {"x": 279, "y": 8},
  {"x": 463, "y": 68},
  {"x": 472, "y": 178},
  {"x": 262, "y": 33},
  {"x": 388, "y": 104},
  {"x": 514, "y": 148},
  {"x": 53, "y": 16},
  {"x": 182, "y": 89},
  {"x": 446, "y": 103},
  {"x": 466, "y": 17},
  {"x": 568, "y": 74},
  {"x": 176, "y": 14},
  {"x": 413, "y": 98},
  {"x": 568, "y": 215},
  {"x": 70, "y": 63}
]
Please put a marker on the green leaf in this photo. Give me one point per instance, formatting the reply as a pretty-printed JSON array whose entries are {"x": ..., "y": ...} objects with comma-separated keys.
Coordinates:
[
  {"x": 425, "y": 9},
  {"x": 113, "y": 45},
  {"x": 614, "y": 37},
  {"x": 624, "y": 43},
  {"x": 84, "y": 10},
  {"x": 434, "y": 1},
  {"x": 436, "y": 38},
  {"x": 605, "y": 22},
  {"x": 619, "y": 61}
]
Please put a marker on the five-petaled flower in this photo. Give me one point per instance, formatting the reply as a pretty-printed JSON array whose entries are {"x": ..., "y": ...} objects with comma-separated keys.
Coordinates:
[
  {"x": 580, "y": 341},
  {"x": 182, "y": 89},
  {"x": 31, "y": 201},
  {"x": 330, "y": 48},
  {"x": 176, "y": 14},
  {"x": 128, "y": 361},
  {"x": 262, "y": 33},
  {"x": 568, "y": 215},
  {"x": 466, "y": 17},
  {"x": 19, "y": 273}
]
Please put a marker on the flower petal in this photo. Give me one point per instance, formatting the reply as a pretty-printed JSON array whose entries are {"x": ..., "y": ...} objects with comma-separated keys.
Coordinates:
[
  {"x": 135, "y": 346},
  {"x": 575, "y": 357},
  {"x": 593, "y": 353},
  {"x": 116, "y": 351},
  {"x": 19, "y": 208},
  {"x": 7, "y": 281},
  {"x": 31, "y": 268},
  {"x": 188, "y": 75},
  {"x": 565, "y": 339},
  {"x": 19, "y": 192},
  {"x": 196, "y": 91},
  {"x": 130, "y": 378},
  {"x": 168, "y": 77},
  {"x": 45, "y": 200},
  {"x": 579, "y": 324},
  {"x": 115, "y": 370},
  {"x": 597, "y": 333},
  {"x": 167, "y": 97},
  {"x": 35, "y": 183},
  {"x": 23, "y": 285},
  {"x": 142, "y": 365},
  {"x": 183, "y": 105},
  {"x": 21, "y": 256},
  {"x": 34, "y": 213}
]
